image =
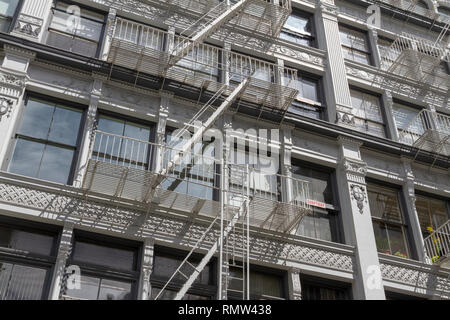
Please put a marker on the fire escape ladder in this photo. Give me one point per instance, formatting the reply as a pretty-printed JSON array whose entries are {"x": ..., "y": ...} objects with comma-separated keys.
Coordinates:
[
  {"x": 196, "y": 270},
  {"x": 183, "y": 47}
]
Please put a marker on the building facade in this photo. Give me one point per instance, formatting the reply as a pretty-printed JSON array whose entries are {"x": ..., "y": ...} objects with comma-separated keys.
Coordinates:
[{"x": 350, "y": 99}]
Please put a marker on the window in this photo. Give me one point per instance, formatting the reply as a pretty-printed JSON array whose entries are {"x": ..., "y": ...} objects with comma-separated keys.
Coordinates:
[
  {"x": 8, "y": 10},
  {"x": 367, "y": 112},
  {"x": 355, "y": 45},
  {"x": 108, "y": 268},
  {"x": 398, "y": 296},
  {"x": 299, "y": 29},
  {"x": 264, "y": 284},
  {"x": 323, "y": 222},
  {"x": 47, "y": 141},
  {"x": 324, "y": 289},
  {"x": 193, "y": 175},
  {"x": 444, "y": 11},
  {"x": 122, "y": 141},
  {"x": 81, "y": 36},
  {"x": 166, "y": 261},
  {"x": 432, "y": 212},
  {"x": 387, "y": 220},
  {"x": 404, "y": 115},
  {"x": 202, "y": 61},
  {"x": 308, "y": 100},
  {"x": 388, "y": 56},
  {"x": 243, "y": 66},
  {"x": 27, "y": 255}
]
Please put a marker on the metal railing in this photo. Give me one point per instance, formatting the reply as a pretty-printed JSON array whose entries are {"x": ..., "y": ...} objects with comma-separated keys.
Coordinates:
[
  {"x": 427, "y": 125},
  {"x": 141, "y": 48},
  {"x": 437, "y": 244},
  {"x": 276, "y": 199}
]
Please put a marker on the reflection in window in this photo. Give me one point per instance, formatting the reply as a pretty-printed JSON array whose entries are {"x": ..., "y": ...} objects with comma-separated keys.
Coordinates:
[
  {"x": 367, "y": 112},
  {"x": 432, "y": 213},
  {"x": 308, "y": 100},
  {"x": 298, "y": 29},
  {"x": 115, "y": 148},
  {"x": 19, "y": 282},
  {"x": 46, "y": 142},
  {"x": 193, "y": 175},
  {"x": 322, "y": 222},
  {"x": 82, "y": 36},
  {"x": 96, "y": 288},
  {"x": 202, "y": 61},
  {"x": 387, "y": 220},
  {"x": 404, "y": 116},
  {"x": 355, "y": 45},
  {"x": 8, "y": 9},
  {"x": 165, "y": 264},
  {"x": 108, "y": 270}
]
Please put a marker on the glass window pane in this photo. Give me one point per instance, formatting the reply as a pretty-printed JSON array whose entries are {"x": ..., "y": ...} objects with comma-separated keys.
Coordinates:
[
  {"x": 119, "y": 258},
  {"x": 114, "y": 290},
  {"x": 65, "y": 125},
  {"x": 19, "y": 282},
  {"x": 27, "y": 241},
  {"x": 56, "y": 164},
  {"x": 8, "y": 7},
  {"x": 165, "y": 266},
  {"x": 397, "y": 242},
  {"x": 26, "y": 158},
  {"x": 404, "y": 115},
  {"x": 381, "y": 238},
  {"x": 37, "y": 119},
  {"x": 298, "y": 22},
  {"x": 89, "y": 288},
  {"x": 384, "y": 203}
]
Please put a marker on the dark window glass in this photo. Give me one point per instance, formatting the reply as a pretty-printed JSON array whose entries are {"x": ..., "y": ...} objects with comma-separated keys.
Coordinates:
[
  {"x": 81, "y": 36},
  {"x": 46, "y": 141},
  {"x": 20, "y": 282},
  {"x": 108, "y": 269},
  {"x": 97, "y": 288},
  {"x": 8, "y": 9},
  {"x": 262, "y": 285},
  {"x": 123, "y": 259},
  {"x": 387, "y": 220},
  {"x": 355, "y": 45},
  {"x": 165, "y": 265},
  {"x": 321, "y": 289},
  {"x": 367, "y": 112},
  {"x": 298, "y": 29},
  {"x": 444, "y": 11},
  {"x": 170, "y": 295},
  {"x": 26, "y": 240},
  {"x": 322, "y": 222}
]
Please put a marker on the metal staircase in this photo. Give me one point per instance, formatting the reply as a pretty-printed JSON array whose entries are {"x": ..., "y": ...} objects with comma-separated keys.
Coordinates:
[{"x": 149, "y": 174}]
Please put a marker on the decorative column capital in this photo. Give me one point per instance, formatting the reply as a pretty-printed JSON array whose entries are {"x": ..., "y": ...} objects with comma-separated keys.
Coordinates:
[
  {"x": 328, "y": 7},
  {"x": 355, "y": 170}
]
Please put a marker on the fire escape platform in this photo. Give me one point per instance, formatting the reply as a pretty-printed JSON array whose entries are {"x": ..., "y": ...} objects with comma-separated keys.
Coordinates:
[
  {"x": 201, "y": 67},
  {"x": 265, "y": 17}
]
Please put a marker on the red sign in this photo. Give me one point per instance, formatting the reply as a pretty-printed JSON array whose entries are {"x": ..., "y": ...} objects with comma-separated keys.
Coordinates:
[{"x": 316, "y": 203}]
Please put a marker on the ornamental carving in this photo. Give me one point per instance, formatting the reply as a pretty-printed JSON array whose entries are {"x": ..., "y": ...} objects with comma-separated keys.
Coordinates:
[
  {"x": 109, "y": 216},
  {"x": 359, "y": 194},
  {"x": 29, "y": 25}
]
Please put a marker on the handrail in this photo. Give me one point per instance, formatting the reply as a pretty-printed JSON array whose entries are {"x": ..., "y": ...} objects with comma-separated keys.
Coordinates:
[{"x": 437, "y": 244}]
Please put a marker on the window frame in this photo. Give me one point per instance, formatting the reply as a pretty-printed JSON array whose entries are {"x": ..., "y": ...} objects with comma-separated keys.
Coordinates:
[
  {"x": 344, "y": 47},
  {"x": 73, "y": 36},
  {"x": 123, "y": 117},
  {"x": 309, "y": 36},
  {"x": 381, "y": 107},
  {"x": 14, "y": 18},
  {"x": 325, "y": 283},
  {"x": 208, "y": 291},
  {"x": 30, "y": 259},
  {"x": 433, "y": 197},
  {"x": 51, "y": 101},
  {"x": 108, "y": 272},
  {"x": 334, "y": 210},
  {"x": 403, "y": 215}
]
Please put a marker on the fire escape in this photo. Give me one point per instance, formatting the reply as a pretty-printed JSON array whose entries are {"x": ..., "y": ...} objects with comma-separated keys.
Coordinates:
[
  {"x": 174, "y": 175},
  {"x": 422, "y": 62}
]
